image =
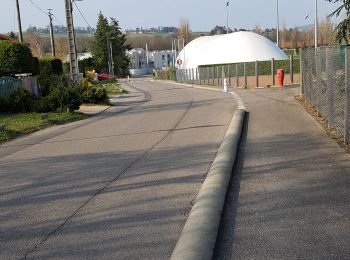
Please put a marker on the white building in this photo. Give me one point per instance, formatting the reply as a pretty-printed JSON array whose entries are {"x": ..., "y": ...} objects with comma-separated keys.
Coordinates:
[
  {"x": 142, "y": 63},
  {"x": 229, "y": 48}
]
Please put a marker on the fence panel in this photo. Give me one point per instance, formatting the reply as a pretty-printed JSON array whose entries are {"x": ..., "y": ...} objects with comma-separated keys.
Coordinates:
[
  {"x": 324, "y": 84},
  {"x": 8, "y": 84}
]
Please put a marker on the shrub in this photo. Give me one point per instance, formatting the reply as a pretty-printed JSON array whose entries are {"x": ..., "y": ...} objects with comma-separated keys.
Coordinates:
[
  {"x": 19, "y": 100},
  {"x": 50, "y": 82},
  {"x": 4, "y": 104},
  {"x": 91, "y": 93},
  {"x": 15, "y": 58},
  {"x": 86, "y": 64},
  {"x": 64, "y": 97},
  {"x": 50, "y": 65},
  {"x": 42, "y": 105},
  {"x": 35, "y": 66}
]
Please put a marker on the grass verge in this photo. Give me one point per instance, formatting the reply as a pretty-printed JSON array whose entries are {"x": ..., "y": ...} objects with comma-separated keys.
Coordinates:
[
  {"x": 13, "y": 125},
  {"x": 113, "y": 89},
  {"x": 331, "y": 131}
]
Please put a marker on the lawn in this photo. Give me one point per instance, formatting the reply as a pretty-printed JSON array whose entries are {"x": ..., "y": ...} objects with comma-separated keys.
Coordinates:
[
  {"x": 113, "y": 89},
  {"x": 13, "y": 125}
]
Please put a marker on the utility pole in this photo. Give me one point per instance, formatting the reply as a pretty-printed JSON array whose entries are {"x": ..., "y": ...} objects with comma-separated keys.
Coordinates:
[
  {"x": 112, "y": 61},
  {"x": 53, "y": 49},
  {"x": 109, "y": 55},
  {"x": 73, "y": 58},
  {"x": 278, "y": 26},
  {"x": 20, "y": 34},
  {"x": 227, "y": 4}
]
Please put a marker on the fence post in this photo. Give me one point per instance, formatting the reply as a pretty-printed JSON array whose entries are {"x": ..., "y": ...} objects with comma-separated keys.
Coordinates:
[
  {"x": 229, "y": 75},
  {"x": 330, "y": 77},
  {"x": 213, "y": 76},
  {"x": 257, "y": 73},
  {"x": 317, "y": 64},
  {"x": 291, "y": 70},
  {"x": 347, "y": 97},
  {"x": 301, "y": 54},
  {"x": 237, "y": 78},
  {"x": 245, "y": 74},
  {"x": 273, "y": 72},
  {"x": 194, "y": 75}
]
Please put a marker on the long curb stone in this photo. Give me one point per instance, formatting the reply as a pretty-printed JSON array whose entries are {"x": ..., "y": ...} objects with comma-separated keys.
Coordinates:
[{"x": 198, "y": 237}]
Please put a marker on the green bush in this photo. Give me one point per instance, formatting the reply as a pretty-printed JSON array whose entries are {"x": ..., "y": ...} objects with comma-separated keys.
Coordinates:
[
  {"x": 4, "y": 104},
  {"x": 86, "y": 65},
  {"x": 19, "y": 100},
  {"x": 35, "y": 66},
  {"x": 50, "y": 66},
  {"x": 91, "y": 93},
  {"x": 50, "y": 82},
  {"x": 15, "y": 58}
]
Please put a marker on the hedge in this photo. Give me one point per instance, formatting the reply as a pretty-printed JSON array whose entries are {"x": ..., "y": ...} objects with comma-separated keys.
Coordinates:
[
  {"x": 15, "y": 58},
  {"x": 50, "y": 65}
]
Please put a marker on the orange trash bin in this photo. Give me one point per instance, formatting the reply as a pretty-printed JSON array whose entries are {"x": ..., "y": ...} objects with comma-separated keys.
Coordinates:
[{"x": 280, "y": 77}]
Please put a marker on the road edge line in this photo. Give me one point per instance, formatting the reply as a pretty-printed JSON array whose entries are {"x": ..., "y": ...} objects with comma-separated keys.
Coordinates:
[{"x": 199, "y": 235}]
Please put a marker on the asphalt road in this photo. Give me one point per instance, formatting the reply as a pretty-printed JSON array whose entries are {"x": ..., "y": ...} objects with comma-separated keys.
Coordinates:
[
  {"x": 289, "y": 197},
  {"x": 115, "y": 186}
]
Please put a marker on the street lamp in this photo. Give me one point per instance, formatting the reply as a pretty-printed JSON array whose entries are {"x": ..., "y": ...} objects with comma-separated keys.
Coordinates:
[
  {"x": 227, "y": 4},
  {"x": 316, "y": 23},
  {"x": 278, "y": 26}
]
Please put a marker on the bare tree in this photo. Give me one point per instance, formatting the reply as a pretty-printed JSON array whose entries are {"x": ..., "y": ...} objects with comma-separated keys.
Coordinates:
[
  {"x": 257, "y": 29},
  {"x": 184, "y": 30},
  {"x": 36, "y": 43},
  {"x": 326, "y": 30}
]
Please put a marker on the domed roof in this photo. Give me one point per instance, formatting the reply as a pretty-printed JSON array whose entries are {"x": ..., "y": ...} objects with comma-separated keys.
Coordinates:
[{"x": 228, "y": 48}]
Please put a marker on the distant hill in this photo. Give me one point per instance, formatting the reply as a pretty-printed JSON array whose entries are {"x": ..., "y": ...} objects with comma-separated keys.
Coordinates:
[{"x": 305, "y": 28}]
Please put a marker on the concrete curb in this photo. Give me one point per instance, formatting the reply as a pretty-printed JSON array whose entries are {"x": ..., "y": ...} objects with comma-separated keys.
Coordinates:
[{"x": 198, "y": 237}]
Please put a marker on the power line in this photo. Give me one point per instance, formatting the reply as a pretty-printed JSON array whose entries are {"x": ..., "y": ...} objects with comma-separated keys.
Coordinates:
[
  {"x": 58, "y": 20},
  {"x": 38, "y": 7},
  {"x": 81, "y": 14}
]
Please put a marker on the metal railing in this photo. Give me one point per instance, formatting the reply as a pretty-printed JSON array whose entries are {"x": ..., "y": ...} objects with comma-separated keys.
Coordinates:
[
  {"x": 8, "y": 84},
  {"x": 249, "y": 74},
  {"x": 325, "y": 85}
]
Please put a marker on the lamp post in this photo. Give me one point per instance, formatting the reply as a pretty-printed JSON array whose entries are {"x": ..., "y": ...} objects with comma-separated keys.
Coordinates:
[
  {"x": 278, "y": 26},
  {"x": 316, "y": 23},
  {"x": 227, "y": 4}
]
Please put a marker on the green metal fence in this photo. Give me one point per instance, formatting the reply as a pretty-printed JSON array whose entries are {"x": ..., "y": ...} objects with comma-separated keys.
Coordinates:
[{"x": 8, "y": 84}]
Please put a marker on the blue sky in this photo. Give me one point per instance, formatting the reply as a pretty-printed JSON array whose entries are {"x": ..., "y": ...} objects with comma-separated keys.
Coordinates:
[{"x": 203, "y": 15}]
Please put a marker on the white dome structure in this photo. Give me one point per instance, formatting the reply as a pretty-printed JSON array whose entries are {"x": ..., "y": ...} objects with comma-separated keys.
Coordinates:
[{"x": 228, "y": 48}]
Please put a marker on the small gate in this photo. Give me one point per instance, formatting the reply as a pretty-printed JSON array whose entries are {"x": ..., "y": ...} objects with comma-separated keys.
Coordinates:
[{"x": 8, "y": 84}]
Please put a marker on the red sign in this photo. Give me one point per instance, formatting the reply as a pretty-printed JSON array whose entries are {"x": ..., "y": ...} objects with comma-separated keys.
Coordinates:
[{"x": 179, "y": 62}]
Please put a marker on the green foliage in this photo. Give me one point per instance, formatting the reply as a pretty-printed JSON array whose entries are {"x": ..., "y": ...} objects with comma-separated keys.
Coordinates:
[
  {"x": 91, "y": 93},
  {"x": 50, "y": 82},
  {"x": 66, "y": 67},
  {"x": 16, "y": 124},
  {"x": 86, "y": 65},
  {"x": 35, "y": 66},
  {"x": 50, "y": 65},
  {"x": 15, "y": 58},
  {"x": 343, "y": 28},
  {"x": 99, "y": 47},
  {"x": 111, "y": 32},
  {"x": 19, "y": 100}
]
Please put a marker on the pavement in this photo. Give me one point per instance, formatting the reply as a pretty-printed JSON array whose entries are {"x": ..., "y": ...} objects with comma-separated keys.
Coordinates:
[
  {"x": 118, "y": 185},
  {"x": 289, "y": 197}
]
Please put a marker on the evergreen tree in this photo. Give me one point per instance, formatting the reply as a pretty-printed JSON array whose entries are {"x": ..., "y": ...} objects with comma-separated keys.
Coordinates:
[
  {"x": 118, "y": 39},
  {"x": 343, "y": 28},
  {"x": 105, "y": 32},
  {"x": 99, "y": 47}
]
